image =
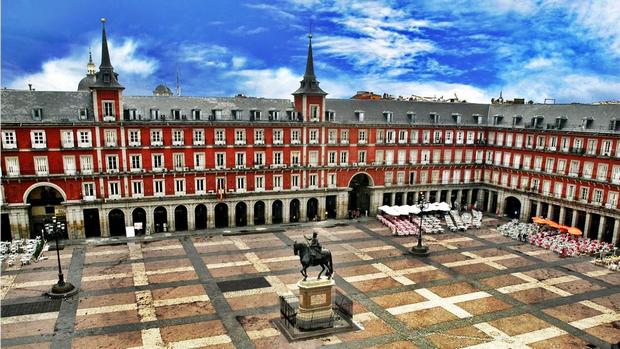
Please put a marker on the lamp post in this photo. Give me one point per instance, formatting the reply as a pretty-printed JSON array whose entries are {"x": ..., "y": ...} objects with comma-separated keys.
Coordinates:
[
  {"x": 420, "y": 250},
  {"x": 53, "y": 229}
]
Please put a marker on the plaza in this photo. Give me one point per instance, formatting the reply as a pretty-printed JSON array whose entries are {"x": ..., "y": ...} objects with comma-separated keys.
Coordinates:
[{"x": 477, "y": 289}]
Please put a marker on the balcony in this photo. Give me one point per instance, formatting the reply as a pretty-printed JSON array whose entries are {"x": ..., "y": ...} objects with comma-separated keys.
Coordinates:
[
  {"x": 199, "y": 142},
  {"x": 177, "y": 143},
  {"x": 344, "y": 141},
  {"x": 610, "y": 205},
  {"x": 64, "y": 146},
  {"x": 109, "y": 118},
  {"x": 156, "y": 144},
  {"x": 240, "y": 142},
  {"x": 134, "y": 144},
  {"x": 88, "y": 197},
  {"x": 313, "y": 142},
  {"x": 259, "y": 142},
  {"x": 220, "y": 143},
  {"x": 361, "y": 141},
  {"x": 295, "y": 142},
  {"x": 240, "y": 166}
]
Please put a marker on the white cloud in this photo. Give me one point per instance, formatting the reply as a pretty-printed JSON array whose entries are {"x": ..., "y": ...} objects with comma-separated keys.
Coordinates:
[
  {"x": 63, "y": 74},
  {"x": 538, "y": 63},
  {"x": 204, "y": 55},
  {"x": 600, "y": 18},
  {"x": 269, "y": 83},
  {"x": 238, "y": 62}
]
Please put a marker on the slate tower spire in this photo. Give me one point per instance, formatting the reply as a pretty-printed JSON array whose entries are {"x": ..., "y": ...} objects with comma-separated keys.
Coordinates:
[
  {"x": 309, "y": 97},
  {"x": 106, "y": 77}
]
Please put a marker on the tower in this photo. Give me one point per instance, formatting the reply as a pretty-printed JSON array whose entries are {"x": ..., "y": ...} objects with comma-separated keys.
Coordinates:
[
  {"x": 90, "y": 67},
  {"x": 106, "y": 89},
  {"x": 89, "y": 79},
  {"x": 309, "y": 97}
]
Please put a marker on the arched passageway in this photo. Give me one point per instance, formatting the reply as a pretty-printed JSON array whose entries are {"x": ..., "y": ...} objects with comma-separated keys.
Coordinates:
[
  {"x": 200, "y": 217},
  {"x": 45, "y": 202},
  {"x": 259, "y": 213},
  {"x": 116, "y": 222},
  {"x": 180, "y": 218},
  {"x": 359, "y": 196},
  {"x": 312, "y": 209},
  {"x": 160, "y": 219},
  {"x": 331, "y": 206},
  {"x": 221, "y": 215},
  {"x": 294, "y": 211},
  {"x": 241, "y": 214},
  {"x": 276, "y": 212},
  {"x": 139, "y": 216},
  {"x": 513, "y": 207},
  {"x": 92, "y": 227}
]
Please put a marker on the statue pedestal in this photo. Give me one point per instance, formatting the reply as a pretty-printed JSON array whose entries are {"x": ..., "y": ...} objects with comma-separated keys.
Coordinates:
[{"x": 315, "y": 304}]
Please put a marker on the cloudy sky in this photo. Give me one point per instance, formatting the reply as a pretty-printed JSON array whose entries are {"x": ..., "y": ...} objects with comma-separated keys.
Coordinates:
[{"x": 567, "y": 50}]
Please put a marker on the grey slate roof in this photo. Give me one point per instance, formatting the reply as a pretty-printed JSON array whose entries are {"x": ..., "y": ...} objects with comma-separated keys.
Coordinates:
[{"x": 17, "y": 106}]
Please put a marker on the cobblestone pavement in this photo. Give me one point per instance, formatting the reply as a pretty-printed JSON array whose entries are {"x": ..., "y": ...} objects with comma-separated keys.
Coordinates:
[{"x": 476, "y": 290}]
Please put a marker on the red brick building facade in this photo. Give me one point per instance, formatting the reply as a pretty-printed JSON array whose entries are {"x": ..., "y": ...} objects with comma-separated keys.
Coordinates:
[{"x": 103, "y": 160}]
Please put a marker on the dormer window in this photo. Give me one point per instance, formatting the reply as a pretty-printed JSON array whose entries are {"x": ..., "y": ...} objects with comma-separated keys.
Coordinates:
[
  {"x": 614, "y": 124},
  {"x": 291, "y": 114},
  {"x": 516, "y": 120},
  {"x": 175, "y": 114},
  {"x": 314, "y": 112},
  {"x": 388, "y": 116},
  {"x": 479, "y": 119},
  {"x": 586, "y": 122},
  {"x": 83, "y": 113},
  {"x": 458, "y": 118},
  {"x": 497, "y": 119},
  {"x": 435, "y": 117},
  {"x": 196, "y": 114},
  {"x": 537, "y": 121},
  {"x": 330, "y": 115},
  {"x": 255, "y": 115},
  {"x": 130, "y": 114},
  {"x": 274, "y": 115},
  {"x": 359, "y": 115},
  {"x": 411, "y": 117},
  {"x": 216, "y": 114},
  {"x": 560, "y": 122},
  {"x": 154, "y": 114}
]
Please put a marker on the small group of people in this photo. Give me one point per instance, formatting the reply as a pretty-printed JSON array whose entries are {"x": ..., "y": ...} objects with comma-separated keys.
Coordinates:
[{"x": 355, "y": 214}]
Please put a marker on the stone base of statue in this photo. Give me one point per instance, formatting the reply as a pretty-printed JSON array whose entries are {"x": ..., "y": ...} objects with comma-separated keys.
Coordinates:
[
  {"x": 321, "y": 310},
  {"x": 315, "y": 304}
]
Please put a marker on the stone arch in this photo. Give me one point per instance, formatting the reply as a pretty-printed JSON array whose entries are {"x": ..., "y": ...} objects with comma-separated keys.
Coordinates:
[
  {"x": 45, "y": 201},
  {"x": 259, "y": 213},
  {"x": 220, "y": 212},
  {"x": 359, "y": 196},
  {"x": 294, "y": 211},
  {"x": 371, "y": 182},
  {"x": 180, "y": 218},
  {"x": 276, "y": 212},
  {"x": 44, "y": 184},
  {"x": 241, "y": 214},
  {"x": 512, "y": 207},
  {"x": 138, "y": 215},
  {"x": 312, "y": 209},
  {"x": 200, "y": 216},
  {"x": 116, "y": 222},
  {"x": 160, "y": 219}
]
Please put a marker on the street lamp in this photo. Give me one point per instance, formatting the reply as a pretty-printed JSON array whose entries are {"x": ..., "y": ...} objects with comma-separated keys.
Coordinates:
[
  {"x": 53, "y": 229},
  {"x": 420, "y": 250}
]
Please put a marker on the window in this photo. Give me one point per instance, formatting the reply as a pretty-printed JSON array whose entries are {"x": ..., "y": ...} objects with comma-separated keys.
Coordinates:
[
  {"x": 587, "y": 170},
  {"x": 154, "y": 114},
  {"x": 330, "y": 115},
  {"x": 37, "y": 114},
  {"x": 239, "y": 137},
  {"x": 178, "y": 161},
  {"x": 314, "y": 112},
  {"x": 175, "y": 114},
  {"x": 84, "y": 139},
  {"x": 574, "y": 168},
  {"x": 606, "y": 148},
  {"x": 359, "y": 115},
  {"x": 291, "y": 114},
  {"x": 220, "y": 137},
  {"x": 240, "y": 160},
  {"x": 361, "y": 137},
  {"x": 295, "y": 136},
  {"x": 108, "y": 109},
  {"x": 361, "y": 157},
  {"x": 88, "y": 191},
  {"x": 314, "y": 136},
  {"x": 332, "y": 137},
  {"x": 199, "y": 137},
  {"x": 136, "y": 189},
  {"x": 388, "y": 178},
  {"x": 9, "y": 140},
  {"x": 295, "y": 181},
  {"x": 158, "y": 162},
  {"x": 38, "y": 139},
  {"x": 597, "y": 197},
  {"x": 236, "y": 114},
  {"x": 390, "y": 137},
  {"x": 344, "y": 158},
  {"x": 134, "y": 138},
  {"x": 156, "y": 138},
  {"x": 312, "y": 181},
  {"x": 400, "y": 178},
  {"x": 437, "y": 137},
  {"x": 220, "y": 161},
  {"x": 509, "y": 140},
  {"x": 135, "y": 162},
  {"x": 259, "y": 183},
  {"x": 179, "y": 186},
  {"x": 331, "y": 158},
  {"x": 66, "y": 138},
  {"x": 199, "y": 186},
  {"x": 216, "y": 114},
  {"x": 470, "y": 137},
  {"x": 114, "y": 190},
  {"x": 158, "y": 187},
  {"x": 313, "y": 158},
  {"x": 259, "y": 159},
  {"x": 414, "y": 136},
  {"x": 177, "y": 137},
  {"x": 561, "y": 167},
  {"x": 583, "y": 194},
  {"x": 331, "y": 180},
  {"x": 411, "y": 116},
  {"x": 240, "y": 183},
  {"x": 69, "y": 164},
  {"x": 86, "y": 164},
  {"x": 112, "y": 163},
  {"x": 255, "y": 115},
  {"x": 196, "y": 114},
  {"x": 274, "y": 115},
  {"x": 12, "y": 166},
  {"x": 199, "y": 161},
  {"x": 277, "y": 182},
  {"x": 612, "y": 199},
  {"x": 277, "y": 137},
  {"x": 426, "y": 137},
  {"x": 259, "y": 136},
  {"x": 220, "y": 183},
  {"x": 448, "y": 137},
  {"x": 277, "y": 158},
  {"x": 295, "y": 158},
  {"x": 412, "y": 177},
  {"x": 380, "y": 136},
  {"x": 388, "y": 116}
]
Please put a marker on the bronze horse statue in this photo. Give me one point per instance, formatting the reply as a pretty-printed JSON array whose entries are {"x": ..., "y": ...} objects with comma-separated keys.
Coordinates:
[{"x": 306, "y": 259}]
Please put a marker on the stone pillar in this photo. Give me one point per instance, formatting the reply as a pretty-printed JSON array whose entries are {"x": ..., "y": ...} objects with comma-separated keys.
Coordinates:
[
  {"x": 601, "y": 228},
  {"x": 459, "y": 196},
  {"x": 321, "y": 208},
  {"x": 103, "y": 223},
  {"x": 170, "y": 217},
  {"x": 525, "y": 209},
  {"x": 449, "y": 197},
  {"x": 231, "y": 214},
  {"x": 210, "y": 216},
  {"x": 415, "y": 197},
  {"x": 427, "y": 196},
  {"x": 191, "y": 217},
  {"x": 586, "y": 226},
  {"x": 616, "y": 236},
  {"x": 286, "y": 211},
  {"x": 470, "y": 193},
  {"x": 574, "y": 219},
  {"x": 550, "y": 212},
  {"x": 303, "y": 207},
  {"x": 538, "y": 208},
  {"x": 342, "y": 204},
  {"x": 268, "y": 212},
  {"x": 490, "y": 201},
  {"x": 75, "y": 223},
  {"x": 562, "y": 217},
  {"x": 250, "y": 212},
  {"x": 20, "y": 222}
]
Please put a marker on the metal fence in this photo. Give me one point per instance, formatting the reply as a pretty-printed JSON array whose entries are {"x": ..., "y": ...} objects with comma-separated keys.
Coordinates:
[
  {"x": 287, "y": 312},
  {"x": 344, "y": 305}
]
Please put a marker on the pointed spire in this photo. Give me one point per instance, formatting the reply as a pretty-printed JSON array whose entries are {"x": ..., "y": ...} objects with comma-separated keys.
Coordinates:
[
  {"x": 105, "y": 54},
  {"x": 90, "y": 55},
  {"x": 106, "y": 77},
  {"x": 309, "y": 61},
  {"x": 309, "y": 84},
  {"x": 90, "y": 67}
]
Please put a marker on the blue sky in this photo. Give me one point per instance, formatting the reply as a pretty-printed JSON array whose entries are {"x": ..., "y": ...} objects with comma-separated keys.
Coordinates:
[{"x": 567, "y": 50}]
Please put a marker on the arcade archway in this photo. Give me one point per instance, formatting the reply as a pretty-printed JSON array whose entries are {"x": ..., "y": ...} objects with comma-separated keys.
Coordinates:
[
  {"x": 200, "y": 217},
  {"x": 139, "y": 216},
  {"x": 513, "y": 207},
  {"x": 331, "y": 206},
  {"x": 294, "y": 211},
  {"x": 221, "y": 215},
  {"x": 259, "y": 213},
  {"x": 92, "y": 227},
  {"x": 45, "y": 202},
  {"x": 276, "y": 212},
  {"x": 312, "y": 209},
  {"x": 160, "y": 219},
  {"x": 116, "y": 222},
  {"x": 241, "y": 214},
  {"x": 359, "y": 196},
  {"x": 180, "y": 218}
]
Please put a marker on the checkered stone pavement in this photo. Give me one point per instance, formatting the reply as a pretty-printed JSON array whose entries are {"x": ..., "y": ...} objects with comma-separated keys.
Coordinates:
[{"x": 476, "y": 290}]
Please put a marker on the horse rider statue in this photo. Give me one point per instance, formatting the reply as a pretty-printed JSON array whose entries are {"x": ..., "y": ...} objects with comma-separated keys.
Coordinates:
[
  {"x": 315, "y": 245},
  {"x": 312, "y": 254}
]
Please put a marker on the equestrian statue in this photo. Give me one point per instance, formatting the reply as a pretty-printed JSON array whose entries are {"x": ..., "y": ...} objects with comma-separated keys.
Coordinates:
[{"x": 312, "y": 254}]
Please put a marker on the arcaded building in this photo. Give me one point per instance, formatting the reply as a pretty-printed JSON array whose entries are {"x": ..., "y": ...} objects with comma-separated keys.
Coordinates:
[{"x": 102, "y": 161}]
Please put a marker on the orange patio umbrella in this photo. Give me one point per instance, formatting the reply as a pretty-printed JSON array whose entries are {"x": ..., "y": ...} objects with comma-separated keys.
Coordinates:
[
  {"x": 575, "y": 231},
  {"x": 553, "y": 224},
  {"x": 563, "y": 228},
  {"x": 538, "y": 220}
]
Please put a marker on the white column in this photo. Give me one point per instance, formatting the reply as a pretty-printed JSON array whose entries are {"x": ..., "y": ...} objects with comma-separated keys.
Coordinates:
[
  {"x": 538, "y": 208},
  {"x": 574, "y": 219},
  {"x": 601, "y": 228},
  {"x": 616, "y": 236},
  {"x": 210, "y": 216},
  {"x": 562, "y": 217},
  {"x": 586, "y": 226},
  {"x": 550, "y": 211},
  {"x": 170, "y": 217},
  {"x": 250, "y": 212},
  {"x": 191, "y": 217}
]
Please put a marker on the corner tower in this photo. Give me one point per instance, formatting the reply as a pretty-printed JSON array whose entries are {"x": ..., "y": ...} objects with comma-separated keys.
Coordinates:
[
  {"x": 309, "y": 97},
  {"x": 106, "y": 89}
]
